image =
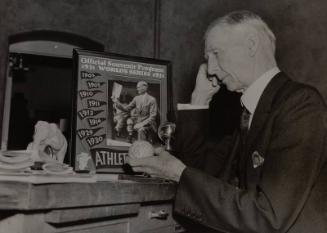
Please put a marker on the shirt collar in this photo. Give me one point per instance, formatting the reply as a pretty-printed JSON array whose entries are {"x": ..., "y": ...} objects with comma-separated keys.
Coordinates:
[{"x": 252, "y": 94}]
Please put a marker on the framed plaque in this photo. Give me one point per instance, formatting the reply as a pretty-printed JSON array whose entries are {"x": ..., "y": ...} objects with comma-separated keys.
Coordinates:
[{"x": 117, "y": 99}]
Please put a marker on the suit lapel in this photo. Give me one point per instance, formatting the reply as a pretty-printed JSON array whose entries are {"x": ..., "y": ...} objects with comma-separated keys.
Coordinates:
[{"x": 263, "y": 109}]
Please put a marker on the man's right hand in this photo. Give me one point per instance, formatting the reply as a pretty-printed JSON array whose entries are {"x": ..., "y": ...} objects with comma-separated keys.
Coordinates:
[
  {"x": 204, "y": 88},
  {"x": 164, "y": 165}
]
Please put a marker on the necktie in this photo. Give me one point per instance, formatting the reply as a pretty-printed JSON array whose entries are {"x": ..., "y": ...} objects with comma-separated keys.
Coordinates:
[
  {"x": 244, "y": 127},
  {"x": 244, "y": 123},
  {"x": 237, "y": 176}
]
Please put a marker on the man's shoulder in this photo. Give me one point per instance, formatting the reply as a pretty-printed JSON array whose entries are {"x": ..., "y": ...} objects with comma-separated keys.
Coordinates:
[
  {"x": 299, "y": 88},
  {"x": 293, "y": 84},
  {"x": 291, "y": 90}
]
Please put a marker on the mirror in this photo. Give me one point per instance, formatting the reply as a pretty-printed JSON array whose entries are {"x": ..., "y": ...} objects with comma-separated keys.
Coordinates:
[
  {"x": 40, "y": 90},
  {"x": 39, "y": 84}
]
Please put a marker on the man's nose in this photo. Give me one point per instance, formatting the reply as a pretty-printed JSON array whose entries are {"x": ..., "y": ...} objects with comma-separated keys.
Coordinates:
[{"x": 213, "y": 67}]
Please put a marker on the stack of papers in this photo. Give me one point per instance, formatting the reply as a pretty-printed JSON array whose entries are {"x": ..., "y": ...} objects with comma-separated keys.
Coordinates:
[
  {"x": 15, "y": 161},
  {"x": 18, "y": 166}
]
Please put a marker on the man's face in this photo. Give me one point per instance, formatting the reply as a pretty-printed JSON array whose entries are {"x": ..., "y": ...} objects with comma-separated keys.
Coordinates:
[
  {"x": 141, "y": 88},
  {"x": 228, "y": 57}
]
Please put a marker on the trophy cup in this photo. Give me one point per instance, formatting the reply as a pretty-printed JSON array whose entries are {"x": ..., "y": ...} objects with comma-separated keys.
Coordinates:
[{"x": 166, "y": 133}]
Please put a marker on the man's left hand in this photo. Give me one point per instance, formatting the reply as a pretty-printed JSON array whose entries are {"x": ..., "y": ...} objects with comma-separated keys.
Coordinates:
[{"x": 164, "y": 165}]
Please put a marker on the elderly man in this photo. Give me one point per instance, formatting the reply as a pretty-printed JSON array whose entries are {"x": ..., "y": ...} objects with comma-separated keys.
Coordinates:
[
  {"x": 271, "y": 176},
  {"x": 143, "y": 116}
]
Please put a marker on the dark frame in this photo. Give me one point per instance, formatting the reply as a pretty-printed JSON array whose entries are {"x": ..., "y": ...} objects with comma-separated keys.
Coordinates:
[{"x": 96, "y": 144}]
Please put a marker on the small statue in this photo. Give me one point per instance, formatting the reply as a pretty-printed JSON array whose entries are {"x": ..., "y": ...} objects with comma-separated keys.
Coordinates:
[
  {"x": 84, "y": 161},
  {"x": 49, "y": 144}
]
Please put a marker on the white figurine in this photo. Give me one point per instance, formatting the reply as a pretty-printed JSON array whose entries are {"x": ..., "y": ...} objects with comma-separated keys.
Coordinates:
[{"x": 49, "y": 144}]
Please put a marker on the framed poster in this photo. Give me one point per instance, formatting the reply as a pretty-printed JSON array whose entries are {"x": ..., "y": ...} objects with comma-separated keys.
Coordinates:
[{"x": 117, "y": 99}]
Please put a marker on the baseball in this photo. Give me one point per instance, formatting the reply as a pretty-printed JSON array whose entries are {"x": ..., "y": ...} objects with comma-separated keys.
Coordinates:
[{"x": 141, "y": 149}]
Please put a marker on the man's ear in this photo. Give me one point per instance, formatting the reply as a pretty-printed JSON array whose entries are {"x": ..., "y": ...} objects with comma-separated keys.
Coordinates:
[{"x": 252, "y": 43}]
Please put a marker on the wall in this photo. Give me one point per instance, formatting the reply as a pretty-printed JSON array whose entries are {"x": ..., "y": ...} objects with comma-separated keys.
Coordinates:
[
  {"x": 130, "y": 27},
  {"x": 299, "y": 25},
  {"x": 183, "y": 24},
  {"x": 125, "y": 27},
  {"x": 301, "y": 31}
]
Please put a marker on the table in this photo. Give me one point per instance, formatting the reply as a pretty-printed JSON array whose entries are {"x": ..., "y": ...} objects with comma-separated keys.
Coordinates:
[{"x": 122, "y": 206}]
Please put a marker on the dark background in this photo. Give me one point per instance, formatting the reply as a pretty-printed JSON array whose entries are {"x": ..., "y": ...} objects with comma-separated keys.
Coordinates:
[{"x": 173, "y": 30}]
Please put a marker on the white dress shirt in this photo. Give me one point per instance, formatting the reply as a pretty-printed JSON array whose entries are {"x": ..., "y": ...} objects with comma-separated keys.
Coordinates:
[{"x": 252, "y": 94}]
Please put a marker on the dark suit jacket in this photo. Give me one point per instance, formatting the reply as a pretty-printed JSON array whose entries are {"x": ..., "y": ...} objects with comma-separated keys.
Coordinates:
[{"x": 286, "y": 193}]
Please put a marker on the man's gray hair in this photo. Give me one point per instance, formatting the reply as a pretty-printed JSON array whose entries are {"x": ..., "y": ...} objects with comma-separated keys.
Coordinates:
[{"x": 247, "y": 18}]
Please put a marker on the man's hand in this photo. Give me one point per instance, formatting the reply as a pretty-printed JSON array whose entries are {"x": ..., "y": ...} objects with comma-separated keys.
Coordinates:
[
  {"x": 204, "y": 88},
  {"x": 164, "y": 165}
]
